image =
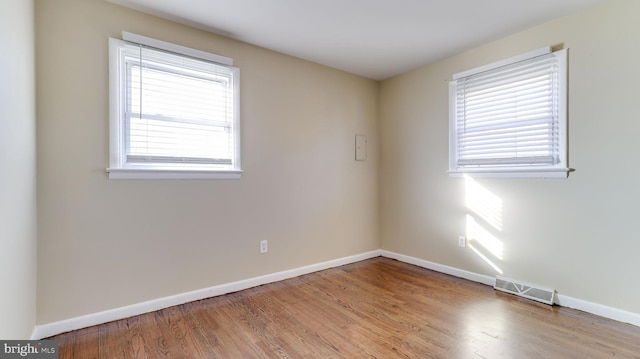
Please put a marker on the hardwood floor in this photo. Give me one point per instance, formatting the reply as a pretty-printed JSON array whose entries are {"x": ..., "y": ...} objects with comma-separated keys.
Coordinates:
[{"x": 378, "y": 308}]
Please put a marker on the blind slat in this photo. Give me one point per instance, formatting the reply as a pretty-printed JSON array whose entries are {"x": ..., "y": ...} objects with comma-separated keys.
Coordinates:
[
  {"x": 509, "y": 161},
  {"x": 508, "y": 75},
  {"x": 178, "y": 109},
  {"x": 509, "y": 125}
]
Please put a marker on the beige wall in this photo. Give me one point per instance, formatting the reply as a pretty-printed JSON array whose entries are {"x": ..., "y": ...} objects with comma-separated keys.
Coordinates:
[
  {"x": 17, "y": 178},
  {"x": 578, "y": 235},
  {"x": 105, "y": 244}
]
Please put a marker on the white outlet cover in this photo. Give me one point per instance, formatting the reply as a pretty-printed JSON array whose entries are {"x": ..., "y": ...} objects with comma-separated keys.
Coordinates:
[
  {"x": 462, "y": 241},
  {"x": 264, "y": 246}
]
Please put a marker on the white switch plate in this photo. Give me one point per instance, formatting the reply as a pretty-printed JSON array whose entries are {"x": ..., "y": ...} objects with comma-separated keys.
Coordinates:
[{"x": 361, "y": 147}]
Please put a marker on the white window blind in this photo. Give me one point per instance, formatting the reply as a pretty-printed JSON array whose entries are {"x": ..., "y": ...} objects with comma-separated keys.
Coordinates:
[
  {"x": 510, "y": 116},
  {"x": 174, "y": 111}
]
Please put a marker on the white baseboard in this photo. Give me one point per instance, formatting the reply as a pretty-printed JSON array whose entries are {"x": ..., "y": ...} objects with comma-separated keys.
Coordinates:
[
  {"x": 563, "y": 300},
  {"x": 50, "y": 329},
  {"x": 600, "y": 310},
  {"x": 456, "y": 272}
]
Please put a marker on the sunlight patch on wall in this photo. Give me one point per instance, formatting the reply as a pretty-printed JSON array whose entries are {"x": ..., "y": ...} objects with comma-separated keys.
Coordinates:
[
  {"x": 483, "y": 203},
  {"x": 485, "y": 259},
  {"x": 482, "y": 236},
  {"x": 484, "y": 223}
]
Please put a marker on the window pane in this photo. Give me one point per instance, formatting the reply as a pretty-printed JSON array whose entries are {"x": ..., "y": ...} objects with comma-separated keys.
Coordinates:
[
  {"x": 508, "y": 115},
  {"x": 180, "y": 110}
]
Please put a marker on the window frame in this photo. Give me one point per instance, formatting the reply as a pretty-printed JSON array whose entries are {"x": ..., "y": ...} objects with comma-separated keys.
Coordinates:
[
  {"x": 119, "y": 167},
  {"x": 556, "y": 170}
]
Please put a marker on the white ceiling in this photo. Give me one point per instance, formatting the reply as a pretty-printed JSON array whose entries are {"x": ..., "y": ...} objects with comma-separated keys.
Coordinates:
[{"x": 372, "y": 38}]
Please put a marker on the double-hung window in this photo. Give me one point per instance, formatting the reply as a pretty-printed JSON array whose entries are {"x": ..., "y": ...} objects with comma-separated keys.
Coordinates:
[
  {"x": 173, "y": 112},
  {"x": 509, "y": 119}
]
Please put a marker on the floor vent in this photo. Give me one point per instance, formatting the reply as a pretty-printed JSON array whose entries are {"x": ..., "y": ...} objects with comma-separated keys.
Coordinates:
[{"x": 543, "y": 295}]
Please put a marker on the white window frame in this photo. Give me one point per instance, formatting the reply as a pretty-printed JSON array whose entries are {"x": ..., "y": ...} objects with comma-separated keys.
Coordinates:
[
  {"x": 119, "y": 167},
  {"x": 558, "y": 168}
]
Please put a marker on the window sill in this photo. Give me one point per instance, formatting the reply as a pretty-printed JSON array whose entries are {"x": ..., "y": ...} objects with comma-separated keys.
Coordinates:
[
  {"x": 512, "y": 173},
  {"x": 171, "y": 174}
]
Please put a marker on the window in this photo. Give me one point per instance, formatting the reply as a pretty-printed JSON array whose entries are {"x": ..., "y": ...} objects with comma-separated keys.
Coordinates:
[
  {"x": 173, "y": 112},
  {"x": 508, "y": 119}
]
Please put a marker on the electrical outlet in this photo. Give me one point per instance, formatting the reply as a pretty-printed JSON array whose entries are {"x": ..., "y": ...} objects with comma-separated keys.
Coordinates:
[
  {"x": 462, "y": 241},
  {"x": 263, "y": 246}
]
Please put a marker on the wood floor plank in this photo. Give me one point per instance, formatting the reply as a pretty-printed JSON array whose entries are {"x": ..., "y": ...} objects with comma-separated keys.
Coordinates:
[{"x": 378, "y": 308}]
